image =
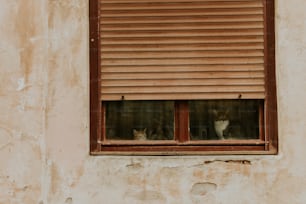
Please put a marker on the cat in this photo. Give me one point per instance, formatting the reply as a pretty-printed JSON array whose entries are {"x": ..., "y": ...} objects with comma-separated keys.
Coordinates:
[
  {"x": 140, "y": 134},
  {"x": 158, "y": 131},
  {"x": 224, "y": 127},
  {"x": 221, "y": 122}
]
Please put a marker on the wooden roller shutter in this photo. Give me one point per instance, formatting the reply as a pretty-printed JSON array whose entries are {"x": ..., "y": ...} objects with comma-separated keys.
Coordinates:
[{"x": 181, "y": 49}]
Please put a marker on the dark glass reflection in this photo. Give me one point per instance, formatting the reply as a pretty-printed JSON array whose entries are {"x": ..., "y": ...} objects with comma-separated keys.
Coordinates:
[
  {"x": 140, "y": 120},
  {"x": 224, "y": 119}
]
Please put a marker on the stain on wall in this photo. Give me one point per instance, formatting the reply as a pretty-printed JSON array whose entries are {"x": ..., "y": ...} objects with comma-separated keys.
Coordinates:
[
  {"x": 44, "y": 135},
  {"x": 22, "y": 58}
]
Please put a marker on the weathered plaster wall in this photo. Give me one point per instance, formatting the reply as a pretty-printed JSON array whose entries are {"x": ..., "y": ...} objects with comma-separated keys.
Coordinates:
[
  {"x": 44, "y": 122},
  {"x": 22, "y": 64}
]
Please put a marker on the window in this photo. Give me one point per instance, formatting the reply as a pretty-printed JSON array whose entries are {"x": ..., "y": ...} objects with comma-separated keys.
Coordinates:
[{"x": 182, "y": 77}]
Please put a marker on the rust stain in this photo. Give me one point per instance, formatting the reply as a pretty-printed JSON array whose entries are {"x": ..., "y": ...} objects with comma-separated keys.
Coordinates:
[
  {"x": 169, "y": 178},
  {"x": 74, "y": 78},
  {"x": 135, "y": 180},
  {"x": 62, "y": 11},
  {"x": 26, "y": 27},
  {"x": 198, "y": 173},
  {"x": 147, "y": 196},
  {"x": 51, "y": 11},
  {"x": 79, "y": 173},
  {"x": 68, "y": 31},
  {"x": 27, "y": 193},
  {"x": 55, "y": 180},
  {"x": 37, "y": 151}
]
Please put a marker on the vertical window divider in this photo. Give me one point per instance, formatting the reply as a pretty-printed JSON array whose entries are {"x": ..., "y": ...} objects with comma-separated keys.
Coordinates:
[{"x": 182, "y": 121}]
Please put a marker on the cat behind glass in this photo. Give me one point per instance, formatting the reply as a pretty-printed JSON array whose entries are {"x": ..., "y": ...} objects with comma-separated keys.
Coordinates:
[
  {"x": 221, "y": 122},
  {"x": 140, "y": 134}
]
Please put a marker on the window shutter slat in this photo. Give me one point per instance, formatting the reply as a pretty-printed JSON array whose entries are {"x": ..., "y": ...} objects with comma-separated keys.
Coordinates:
[
  {"x": 183, "y": 75},
  {"x": 182, "y": 82},
  {"x": 182, "y": 47},
  {"x": 182, "y": 54},
  {"x": 181, "y": 19},
  {"x": 178, "y": 49},
  {"x": 183, "y": 68}
]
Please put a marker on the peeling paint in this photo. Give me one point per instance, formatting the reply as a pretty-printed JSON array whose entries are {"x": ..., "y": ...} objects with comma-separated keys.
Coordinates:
[
  {"x": 247, "y": 162},
  {"x": 68, "y": 200},
  {"x": 134, "y": 166},
  {"x": 202, "y": 189},
  {"x": 21, "y": 84}
]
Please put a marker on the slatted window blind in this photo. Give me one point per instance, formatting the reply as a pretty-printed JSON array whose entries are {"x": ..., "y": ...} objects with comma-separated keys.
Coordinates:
[{"x": 181, "y": 49}]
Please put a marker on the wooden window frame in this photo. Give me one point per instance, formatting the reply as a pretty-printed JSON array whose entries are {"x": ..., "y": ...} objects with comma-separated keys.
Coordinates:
[{"x": 267, "y": 144}]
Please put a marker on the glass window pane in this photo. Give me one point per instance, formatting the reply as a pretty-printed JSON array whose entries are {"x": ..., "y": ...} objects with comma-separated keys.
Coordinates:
[
  {"x": 224, "y": 119},
  {"x": 140, "y": 120}
]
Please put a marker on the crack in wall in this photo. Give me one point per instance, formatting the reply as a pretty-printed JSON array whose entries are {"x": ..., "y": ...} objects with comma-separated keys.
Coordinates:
[{"x": 246, "y": 162}]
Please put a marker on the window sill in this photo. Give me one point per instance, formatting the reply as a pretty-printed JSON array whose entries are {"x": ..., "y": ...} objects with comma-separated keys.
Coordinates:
[{"x": 186, "y": 149}]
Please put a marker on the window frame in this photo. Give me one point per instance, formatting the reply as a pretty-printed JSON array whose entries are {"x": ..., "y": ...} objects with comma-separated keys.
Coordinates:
[{"x": 267, "y": 144}]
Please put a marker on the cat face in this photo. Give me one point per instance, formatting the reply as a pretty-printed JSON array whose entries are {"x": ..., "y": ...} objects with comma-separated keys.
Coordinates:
[
  {"x": 140, "y": 134},
  {"x": 220, "y": 115}
]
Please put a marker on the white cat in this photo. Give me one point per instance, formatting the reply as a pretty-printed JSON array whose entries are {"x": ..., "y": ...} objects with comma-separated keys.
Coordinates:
[{"x": 221, "y": 122}]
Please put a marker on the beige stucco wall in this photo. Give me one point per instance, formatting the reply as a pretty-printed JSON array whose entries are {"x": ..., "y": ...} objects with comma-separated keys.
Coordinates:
[{"x": 44, "y": 123}]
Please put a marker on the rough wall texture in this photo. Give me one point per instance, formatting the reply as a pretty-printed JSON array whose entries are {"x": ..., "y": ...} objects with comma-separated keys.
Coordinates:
[{"x": 44, "y": 122}]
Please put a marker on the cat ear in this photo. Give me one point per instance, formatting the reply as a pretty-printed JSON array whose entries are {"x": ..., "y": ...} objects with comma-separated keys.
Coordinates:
[
  {"x": 144, "y": 130},
  {"x": 215, "y": 112},
  {"x": 134, "y": 131}
]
